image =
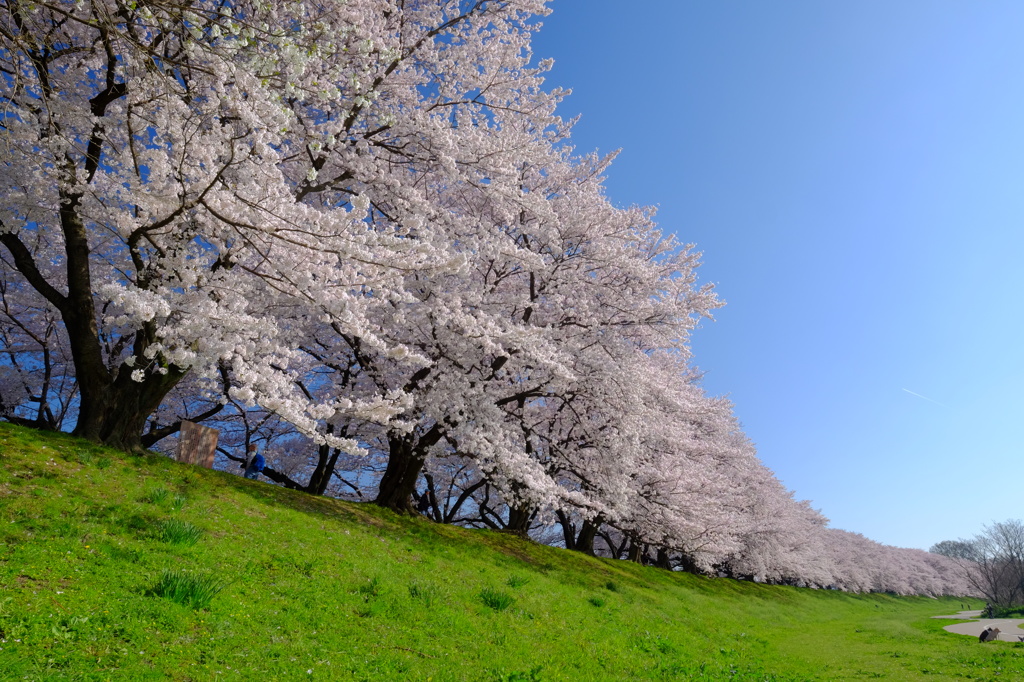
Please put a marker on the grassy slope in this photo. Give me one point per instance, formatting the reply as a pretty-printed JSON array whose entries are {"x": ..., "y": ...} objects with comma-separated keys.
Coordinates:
[{"x": 325, "y": 590}]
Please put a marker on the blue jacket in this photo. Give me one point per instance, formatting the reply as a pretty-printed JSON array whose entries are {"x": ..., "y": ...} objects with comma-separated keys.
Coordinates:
[{"x": 258, "y": 462}]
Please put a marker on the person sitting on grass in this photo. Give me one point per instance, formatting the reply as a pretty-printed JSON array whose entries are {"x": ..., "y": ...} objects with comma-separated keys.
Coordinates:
[{"x": 253, "y": 463}]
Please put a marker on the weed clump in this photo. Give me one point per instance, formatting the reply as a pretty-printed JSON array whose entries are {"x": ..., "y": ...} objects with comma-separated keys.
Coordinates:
[
  {"x": 532, "y": 675},
  {"x": 496, "y": 599},
  {"x": 157, "y": 496},
  {"x": 187, "y": 589},
  {"x": 516, "y": 581},
  {"x": 371, "y": 588},
  {"x": 178, "y": 532},
  {"x": 425, "y": 595}
]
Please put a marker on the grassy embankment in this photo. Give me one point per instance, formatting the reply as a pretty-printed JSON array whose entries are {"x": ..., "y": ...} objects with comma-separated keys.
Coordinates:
[{"x": 316, "y": 589}]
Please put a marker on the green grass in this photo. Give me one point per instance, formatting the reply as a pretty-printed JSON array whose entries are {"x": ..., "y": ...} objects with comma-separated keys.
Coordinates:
[{"x": 283, "y": 586}]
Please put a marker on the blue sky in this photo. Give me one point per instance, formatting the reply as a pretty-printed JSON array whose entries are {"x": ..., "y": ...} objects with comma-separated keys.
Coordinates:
[{"x": 854, "y": 175}]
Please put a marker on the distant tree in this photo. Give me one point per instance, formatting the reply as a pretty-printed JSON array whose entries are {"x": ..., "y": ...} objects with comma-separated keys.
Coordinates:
[
  {"x": 998, "y": 561},
  {"x": 992, "y": 562},
  {"x": 37, "y": 383}
]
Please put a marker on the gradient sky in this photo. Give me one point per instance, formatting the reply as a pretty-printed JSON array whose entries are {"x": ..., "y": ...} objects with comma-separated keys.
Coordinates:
[{"x": 854, "y": 174}]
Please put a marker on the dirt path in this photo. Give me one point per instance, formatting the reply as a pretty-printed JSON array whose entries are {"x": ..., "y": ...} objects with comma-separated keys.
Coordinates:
[{"x": 1009, "y": 628}]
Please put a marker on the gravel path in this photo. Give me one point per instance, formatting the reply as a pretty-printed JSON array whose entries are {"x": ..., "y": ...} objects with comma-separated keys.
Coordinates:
[{"x": 1009, "y": 628}]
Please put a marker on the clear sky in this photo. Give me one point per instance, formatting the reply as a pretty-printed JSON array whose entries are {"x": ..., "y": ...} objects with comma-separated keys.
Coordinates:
[{"x": 854, "y": 175}]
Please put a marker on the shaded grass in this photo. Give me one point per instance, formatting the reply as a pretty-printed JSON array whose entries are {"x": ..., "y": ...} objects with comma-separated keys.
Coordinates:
[{"x": 353, "y": 592}]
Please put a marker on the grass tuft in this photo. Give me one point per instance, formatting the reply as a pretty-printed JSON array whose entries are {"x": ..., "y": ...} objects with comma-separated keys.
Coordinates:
[
  {"x": 157, "y": 496},
  {"x": 496, "y": 599},
  {"x": 516, "y": 581},
  {"x": 424, "y": 595},
  {"x": 597, "y": 601},
  {"x": 178, "y": 532},
  {"x": 371, "y": 588},
  {"x": 532, "y": 675},
  {"x": 187, "y": 589}
]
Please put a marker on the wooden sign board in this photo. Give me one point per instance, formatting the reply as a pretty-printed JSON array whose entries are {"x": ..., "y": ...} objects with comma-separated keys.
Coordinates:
[{"x": 197, "y": 444}]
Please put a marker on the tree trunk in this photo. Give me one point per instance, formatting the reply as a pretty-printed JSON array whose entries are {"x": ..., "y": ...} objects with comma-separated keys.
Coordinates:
[
  {"x": 568, "y": 529},
  {"x": 327, "y": 458},
  {"x": 115, "y": 413},
  {"x": 433, "y": 507},
  {"x": 585, "y": 539},
  {"x": 406, "y": 455},
  {"x": 519, "y": 520},
  {"x": 687, "y": 564},
  {"x": 635, "y": 551},
  {"x": 401, "y": 475}
]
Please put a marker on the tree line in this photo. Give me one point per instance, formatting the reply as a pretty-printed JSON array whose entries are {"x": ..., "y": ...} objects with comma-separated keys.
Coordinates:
[{"x": 357, "y": 234}]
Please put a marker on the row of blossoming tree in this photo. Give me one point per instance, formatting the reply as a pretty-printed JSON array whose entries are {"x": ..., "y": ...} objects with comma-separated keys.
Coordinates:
[{"x": 355, "y": 232}]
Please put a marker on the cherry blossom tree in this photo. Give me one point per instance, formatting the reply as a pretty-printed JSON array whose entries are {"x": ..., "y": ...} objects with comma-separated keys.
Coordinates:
[
  {"x": 781, "y": 540},
  {"x": 191, "y": 184},
  {"x": 557, "y": 285}
]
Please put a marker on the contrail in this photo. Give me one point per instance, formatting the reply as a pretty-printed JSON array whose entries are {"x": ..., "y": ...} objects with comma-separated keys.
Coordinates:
[{"x": 927, "y": 398}]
